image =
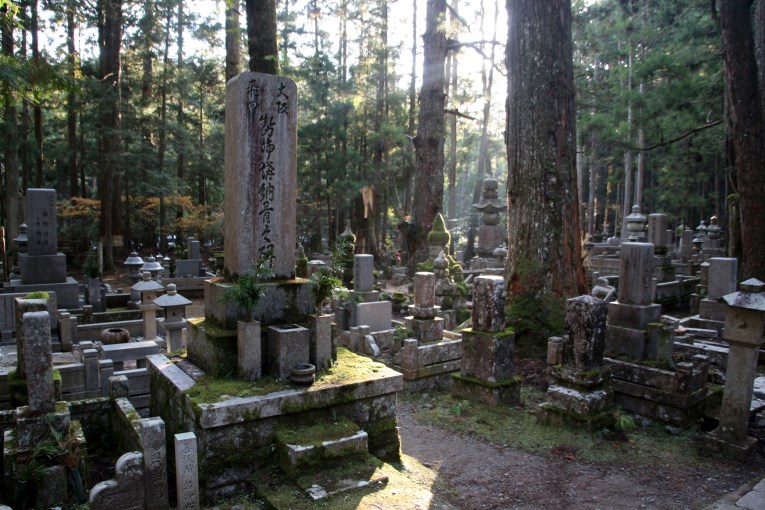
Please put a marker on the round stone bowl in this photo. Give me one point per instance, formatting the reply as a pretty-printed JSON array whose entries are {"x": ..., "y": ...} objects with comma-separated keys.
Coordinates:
[
  {"x": 303, "y": 374},
  {"x": 115, "y": 336}
]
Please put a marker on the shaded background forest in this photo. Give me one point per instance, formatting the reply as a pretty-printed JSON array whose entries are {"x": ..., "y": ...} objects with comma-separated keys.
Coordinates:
[{"x": 648, "y": 75}]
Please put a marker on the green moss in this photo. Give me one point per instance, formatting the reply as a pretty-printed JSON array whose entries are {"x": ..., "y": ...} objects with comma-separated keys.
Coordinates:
[
  {"x": 438, "y": 235},
  {"x": 535, "y": 319},
  {"x": 40, "y": 294},
  {"x": 57, "y": 376},
  {"x": 17, "y": 387},
  {"x": 210, "y": 389},
  {"x": 426, "y": 266},
  {"x": 497, "y": 384},
  {"x": 316, "y": 434},
  {"x": 212, "y": 330}
]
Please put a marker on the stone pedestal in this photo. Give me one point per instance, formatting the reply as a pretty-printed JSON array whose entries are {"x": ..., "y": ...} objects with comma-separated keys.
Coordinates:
[
  {"x": 288, "y": 346},
  {"x": 249, "y": 350},
  {"x": 320, "y": 349},
  {"x": 487, "y": 373},
  {"x": 744, "y": 329}
]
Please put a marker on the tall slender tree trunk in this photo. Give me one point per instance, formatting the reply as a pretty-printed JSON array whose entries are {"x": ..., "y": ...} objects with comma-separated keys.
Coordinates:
[
  {"x": 452, "y": 172},
  {"x": 162, "y": 149},
  {"x": 71, "y": 113},
  {"x": 410, "y": 165},
  {"x": 37, "y": 109},
  {"x": 261, "y": 36},
  {"x": 627, "y": 202},
  {"x": 429, "y": 142},
  {"x": 747, "y": 113},
  {"x": 233, "y": 38},
  {"x": 544, "y": 256},
  {"x": 109, "y": 38},
  {"x": 10, "y": 146},
  {"x": 591, "y": 212},
  {"x": 180, "y": 134},
  {"x": 26, "y": 130}
]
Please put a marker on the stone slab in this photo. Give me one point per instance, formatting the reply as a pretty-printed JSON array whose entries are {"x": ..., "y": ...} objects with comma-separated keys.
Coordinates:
[
  {"x": 41, "y": 221},
  {"x": 324, "y": 483},
  {"x": 288, "y": 346},
  {"x": 636, "y": 273},
  {"x": 234, "y": 410},
  {"x": 186, "y": 471},
  {"x": 363, "y": 273},
  {"x": 39, "y": 269},
  {"x": 67, "y": 294},
  {"x": 632, "y": 316},
  {"x": 129, "y": 351},
  {"x": 377, "y": 315},
  {"x": 508, "y": 394},
  {"x": 486, "y": 356},
  {"x": 190, "y": 267},
  {"x": 576, "y": 401},
  {"x": 260, "y": 172}
]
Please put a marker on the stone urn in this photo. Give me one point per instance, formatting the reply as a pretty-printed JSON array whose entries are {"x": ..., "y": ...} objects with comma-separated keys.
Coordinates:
[
  {"x": 115, "y": 336},
  {"x": 303, "y": 374}
]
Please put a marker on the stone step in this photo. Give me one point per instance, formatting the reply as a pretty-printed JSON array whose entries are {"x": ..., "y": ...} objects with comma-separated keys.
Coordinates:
[
  {"x": 320, "y": 444},
  {"x": 349, "y": 476}
]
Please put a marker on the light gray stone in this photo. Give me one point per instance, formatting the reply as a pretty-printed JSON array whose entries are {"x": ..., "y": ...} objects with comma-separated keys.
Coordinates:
[
  {"x": 723, "y": 273},
  {"x": 375, "y": 315},
  {"x": 636, "y": 274},
  {"x": 249, "y": 350},
  {"x": 191, "y": 267},
  {"x": 41, "y": 222},
  {"x": 260, "y": 172},
  {"x": 657, "y": 232},
  {"x": 288, "y": 346},
  {"x": 186, "y": 471},
  {"x": 193, "y": 247},
  {"x": 585, "y": 332},
  {"x": 363, "y": 273},
  {"x": 39, "y": 361},
  {"x": 127, "y": 491},
  {"x": 489, "y": 304},
  {"x": 40, "y": 269},
  {"x": 321, "y": 341},
  {"x": 153, "y": 442},
  {"x": 424, "y": 289}
]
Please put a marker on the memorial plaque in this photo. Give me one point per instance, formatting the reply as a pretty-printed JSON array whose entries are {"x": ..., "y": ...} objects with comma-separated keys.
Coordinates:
[
  {"x": 41, "y": 221},
  {"x": 260, "y": 172}
]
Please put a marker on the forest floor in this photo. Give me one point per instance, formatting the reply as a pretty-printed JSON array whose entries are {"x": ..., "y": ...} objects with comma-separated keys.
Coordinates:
[{"x": 479, "y": 458}]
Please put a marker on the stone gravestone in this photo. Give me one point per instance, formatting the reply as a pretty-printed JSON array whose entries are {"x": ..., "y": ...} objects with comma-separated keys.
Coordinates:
[
  {"x": 38, "y": 361},
  {"x": 127, "y": 491},
  {"x": 487, "y": 373},
  {"x": 260, "y": 172},
  {"x": 41, "y": 222},
  {"x": 186, "y": 471},
  {"x": 721, "y": 280},
  {"x": 363, "y": 273},
  {"x": 152, "y": 432}
]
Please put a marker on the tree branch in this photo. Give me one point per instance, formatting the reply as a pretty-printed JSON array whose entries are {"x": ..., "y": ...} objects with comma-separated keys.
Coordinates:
[
  {"x": 677, "y": 138},
  {"x": 459, "y": 114}
]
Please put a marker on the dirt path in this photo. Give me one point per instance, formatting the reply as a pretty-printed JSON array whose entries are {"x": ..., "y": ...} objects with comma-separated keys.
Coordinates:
[{"x": 476, "y": 474}]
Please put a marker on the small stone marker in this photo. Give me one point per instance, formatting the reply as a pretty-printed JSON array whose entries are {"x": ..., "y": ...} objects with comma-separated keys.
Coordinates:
[
  {"x": 39, "y": 361},
  {"x": 585, "y": 328},
  {"x": 186, "y": 471},
  {"x": 363, "y": 273},
  {"x": 260, "y": 172},
  {"x": 489, "y": 304},
  {"x": 126, "y": 491},
  {"x": 722, "y": 277},
  {"x": 375, "y": 315},
  {"x": 657, "y": 232},
  {"x": 193, "y": 246},
  {"x": 152, "y": 432},
  {"x": 424, "y": 290}
]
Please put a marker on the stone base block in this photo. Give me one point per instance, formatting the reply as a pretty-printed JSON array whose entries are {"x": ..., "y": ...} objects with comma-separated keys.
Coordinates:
[
  {"x": 507, "y": 392},
  {"x": 36, "y": 269},
  {"x": 320, "y": 445},
  {"x": 738, "y": 451},
  {"x": 320, "y": 354},
  {"x": 651, "y": 405},
  {"x": 548, "y": 414},
  {"x": 284, "y": 301},
  {"x": 213, "y": 349},
  {"x": 712, "y": 310},
  {"x": 30, "y": 429},
  {"x": 576, "y": 401},
  {"x": 428, "y": 330},
  {"x": 632, "y": 316},
  {"x": 488, "y": 356},
  {"x": 67, "y": 293},
  {"x": 288, "y": 346},
  {"x": 626, "y": 342}
]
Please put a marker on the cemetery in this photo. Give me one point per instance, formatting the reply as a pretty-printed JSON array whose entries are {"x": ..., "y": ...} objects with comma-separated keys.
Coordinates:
[{"x": 284, "y": 282}]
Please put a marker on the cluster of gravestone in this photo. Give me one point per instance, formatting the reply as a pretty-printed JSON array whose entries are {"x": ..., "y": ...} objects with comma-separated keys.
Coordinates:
[{"x": 282, "y": 383}]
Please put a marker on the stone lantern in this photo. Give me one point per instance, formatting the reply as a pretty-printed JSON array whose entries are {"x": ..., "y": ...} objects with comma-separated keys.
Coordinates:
[
  {"x": 635, "y": 224},
  {"x": 744, "y": 330},
  {"x": 148, "y": 289},
  {"x": 133, "y": 263},
  {"x": 21, "y": 241},
  {"x": 152, "y": 266},
  {"x": 175, "y": 306},
  {"x": 701, "y": 230}
]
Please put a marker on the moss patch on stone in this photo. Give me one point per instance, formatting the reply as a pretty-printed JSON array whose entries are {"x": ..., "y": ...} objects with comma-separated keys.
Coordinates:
[
  {"x": 213, "y": 331},
  {"x": 497, "y": 384},
  {"x": 40, "y": 294},
  {"x": 316, "y": 434}
]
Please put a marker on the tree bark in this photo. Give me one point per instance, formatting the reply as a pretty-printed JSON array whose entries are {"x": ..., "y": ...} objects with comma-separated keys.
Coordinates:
[
  {"x": 544, "y": 253},
  {"x": 748, "y": 122},
  {"x": 233, "y": 38},
  {"x": 410, "y": 165},
  {"x": 36, "y": 109},
  {"x": 429, "y": 142},
  {"x": 261, "y": 36},
  {"x": 451, "y": 190},
  {"x": 71, "y": 113},
  {"x": 109, "y": 38},
  {"x": 10, "y": 147}
]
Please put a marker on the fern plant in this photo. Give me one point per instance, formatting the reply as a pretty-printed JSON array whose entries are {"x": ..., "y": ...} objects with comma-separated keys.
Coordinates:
[{"x": 248, "y": 290}]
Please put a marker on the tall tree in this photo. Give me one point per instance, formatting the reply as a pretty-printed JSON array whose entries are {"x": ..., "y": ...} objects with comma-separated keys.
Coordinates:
[
  {"x": 429, "y": 142},
  {"x": 261, "y": 36},
  {"x": 10, "y": 142},
  {"x": 71, "y": 112},
  {"x": 747, "y": 116},
  {"x": 543, "y": 215},
  {"x": 109, "y": 41},
  {"x": 233, "y": 38},
  {"x": 37, "y": 109}
]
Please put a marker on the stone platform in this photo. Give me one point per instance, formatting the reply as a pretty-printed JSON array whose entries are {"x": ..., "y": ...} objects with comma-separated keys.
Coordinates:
[{"x": 236, "y": 433}]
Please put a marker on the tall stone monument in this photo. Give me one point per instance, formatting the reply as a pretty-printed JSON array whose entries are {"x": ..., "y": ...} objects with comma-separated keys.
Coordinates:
[
  {"x": 43, "y": 267},
  {"x": 260, "y": 172}
]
